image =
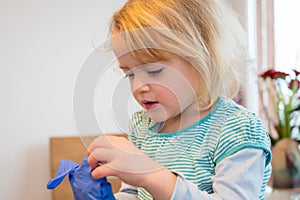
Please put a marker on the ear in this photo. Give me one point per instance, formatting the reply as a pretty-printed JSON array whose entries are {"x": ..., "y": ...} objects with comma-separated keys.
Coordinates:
[{"x": 65, "y": 167}]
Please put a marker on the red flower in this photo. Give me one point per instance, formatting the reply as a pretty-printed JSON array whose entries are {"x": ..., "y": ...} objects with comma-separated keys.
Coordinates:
[
  {"x": 296, "y": 72},
  {"x": 279, "y": 75},
  {"x": 284, "y": 92},
  {"x": 267, "y": 73},
  {"x": 294, "y": 84},
  {"x": 273, "y": 74}
]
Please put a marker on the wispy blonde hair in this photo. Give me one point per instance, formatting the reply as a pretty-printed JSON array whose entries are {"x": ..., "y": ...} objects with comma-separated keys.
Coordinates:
[{"x": 204, "y": 32}]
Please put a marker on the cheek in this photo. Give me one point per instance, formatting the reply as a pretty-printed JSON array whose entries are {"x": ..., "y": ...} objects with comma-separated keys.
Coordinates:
[
  {"x": 182, "y": 84},
  {"x": 183, "y": 90},
  {"x": 166, "y": 96}
]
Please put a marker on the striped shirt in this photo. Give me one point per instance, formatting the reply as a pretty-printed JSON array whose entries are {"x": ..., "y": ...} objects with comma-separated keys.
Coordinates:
[{"x": 195, "y": 151}]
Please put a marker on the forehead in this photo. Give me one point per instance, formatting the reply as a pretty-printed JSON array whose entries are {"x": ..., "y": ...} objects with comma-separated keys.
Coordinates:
[
  {"x": 118, "y": 44},
  {"x": 137, "y": 56}
]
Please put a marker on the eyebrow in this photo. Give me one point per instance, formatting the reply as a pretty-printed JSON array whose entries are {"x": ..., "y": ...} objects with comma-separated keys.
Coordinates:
[{"x": 124, "y": 67}]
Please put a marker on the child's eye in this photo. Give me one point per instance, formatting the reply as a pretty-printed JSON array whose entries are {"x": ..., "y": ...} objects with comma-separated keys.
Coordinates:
[
  {"x": 129, "y": 75},
  {"x": 153, "y": 72}
]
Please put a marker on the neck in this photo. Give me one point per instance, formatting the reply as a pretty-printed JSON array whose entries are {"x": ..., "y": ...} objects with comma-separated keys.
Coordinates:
[{"x": 184, "y": 120}]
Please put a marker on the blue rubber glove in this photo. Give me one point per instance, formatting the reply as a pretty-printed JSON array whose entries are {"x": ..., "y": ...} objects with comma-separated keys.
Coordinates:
[{"x": 84, "y": 186}]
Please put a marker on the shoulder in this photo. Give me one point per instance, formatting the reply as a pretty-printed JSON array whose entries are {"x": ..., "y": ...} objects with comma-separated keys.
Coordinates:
[
  {"x": 241, "y": 120},
  {"x": 233, "y": 114},
  {"x": 240, "y": 129},
  {"x": 230, "y": 116}
]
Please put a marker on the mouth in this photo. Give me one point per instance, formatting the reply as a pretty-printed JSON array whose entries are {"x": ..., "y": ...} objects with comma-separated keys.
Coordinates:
[{"x": 149, "y": 104}]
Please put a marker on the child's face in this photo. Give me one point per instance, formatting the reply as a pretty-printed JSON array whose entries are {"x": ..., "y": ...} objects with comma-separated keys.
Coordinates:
[{"x": 166, "y": 89}]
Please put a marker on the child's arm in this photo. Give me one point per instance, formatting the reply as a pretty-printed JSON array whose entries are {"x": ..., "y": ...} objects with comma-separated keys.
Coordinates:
[{"x": 238, "y": 177}]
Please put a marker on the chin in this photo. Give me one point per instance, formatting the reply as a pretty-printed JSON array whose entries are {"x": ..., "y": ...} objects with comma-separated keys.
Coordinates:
[{"x": 157, "y": 116}]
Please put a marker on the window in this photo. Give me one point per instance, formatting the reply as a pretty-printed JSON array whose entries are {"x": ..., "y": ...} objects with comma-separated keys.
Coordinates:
[
  {"x": 286, "y": 34},
  {"x": 278, "y": 44}
]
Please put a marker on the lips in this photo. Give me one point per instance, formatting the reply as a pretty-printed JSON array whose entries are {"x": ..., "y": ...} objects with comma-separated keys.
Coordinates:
[{"x": 149, "y": 104}]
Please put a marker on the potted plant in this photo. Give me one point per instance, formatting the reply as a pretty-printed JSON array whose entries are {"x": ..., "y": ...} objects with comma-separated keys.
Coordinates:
[{"x": 282, "y": 111}]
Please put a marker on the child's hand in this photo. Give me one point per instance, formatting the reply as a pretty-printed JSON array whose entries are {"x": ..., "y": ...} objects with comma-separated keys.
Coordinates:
[
  {"x": 119, "y": 157},
  {"x": 116, "y": 156}
]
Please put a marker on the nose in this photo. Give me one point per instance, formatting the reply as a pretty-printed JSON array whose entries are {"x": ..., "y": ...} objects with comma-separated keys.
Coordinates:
[{"x": 139, "y": 85}]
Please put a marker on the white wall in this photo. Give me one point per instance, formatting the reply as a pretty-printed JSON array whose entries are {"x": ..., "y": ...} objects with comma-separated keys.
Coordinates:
[{"x": 43, "y": 44}]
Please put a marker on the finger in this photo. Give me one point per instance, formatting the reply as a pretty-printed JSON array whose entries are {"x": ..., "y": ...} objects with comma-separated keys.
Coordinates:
[
  {"x": 101, "y": 155},
  {"x": 102, "y": 171},
  {"x": 92, "y": 161}
]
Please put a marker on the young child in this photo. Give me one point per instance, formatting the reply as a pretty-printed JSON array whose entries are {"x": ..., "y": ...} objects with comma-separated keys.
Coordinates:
[{"x": 191, "y": 141}]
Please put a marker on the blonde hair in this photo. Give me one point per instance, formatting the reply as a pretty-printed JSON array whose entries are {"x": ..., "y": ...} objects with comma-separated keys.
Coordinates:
[{"x": 204, "y": 32}]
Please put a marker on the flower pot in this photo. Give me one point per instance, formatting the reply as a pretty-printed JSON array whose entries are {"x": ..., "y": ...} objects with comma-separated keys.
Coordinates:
[{"x": 286, "y": 164}]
